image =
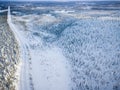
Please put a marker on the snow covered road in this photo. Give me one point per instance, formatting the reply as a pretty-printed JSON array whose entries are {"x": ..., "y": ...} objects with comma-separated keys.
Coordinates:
[{"x": 44, "y": 69}]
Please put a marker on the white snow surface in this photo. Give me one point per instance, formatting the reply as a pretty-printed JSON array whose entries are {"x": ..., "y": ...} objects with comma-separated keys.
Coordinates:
[
  {"x": 53, "y": 70},
  {"x": 42, "y": 68},
  {"x": 1, "y": 11},
  {"x": 69, "y": 51}
]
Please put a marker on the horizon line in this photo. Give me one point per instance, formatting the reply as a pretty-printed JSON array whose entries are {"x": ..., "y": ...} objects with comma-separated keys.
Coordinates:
[{"x": 58, "y": 1}]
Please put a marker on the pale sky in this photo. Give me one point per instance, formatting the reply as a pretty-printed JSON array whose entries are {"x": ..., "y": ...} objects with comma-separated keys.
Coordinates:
[{"x": 60, "y": 0}]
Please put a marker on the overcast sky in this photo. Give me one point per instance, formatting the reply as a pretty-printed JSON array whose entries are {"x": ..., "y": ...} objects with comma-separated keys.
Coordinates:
[{"x": 60, "y": 0}]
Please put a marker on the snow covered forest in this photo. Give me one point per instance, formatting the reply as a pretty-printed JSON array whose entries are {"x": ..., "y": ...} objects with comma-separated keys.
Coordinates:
[{"x": 68, "y": 45}]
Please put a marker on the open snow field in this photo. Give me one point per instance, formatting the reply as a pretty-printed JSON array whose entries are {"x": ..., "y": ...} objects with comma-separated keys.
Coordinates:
[{"x": 67, "y": 46}]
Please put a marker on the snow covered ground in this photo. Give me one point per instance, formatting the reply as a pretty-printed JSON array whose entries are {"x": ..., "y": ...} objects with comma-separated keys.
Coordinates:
[
  {"x": 78, "y": 50},
  {"x": 43, "y": 66}
]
